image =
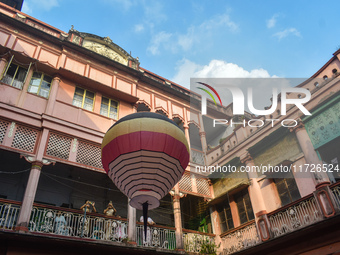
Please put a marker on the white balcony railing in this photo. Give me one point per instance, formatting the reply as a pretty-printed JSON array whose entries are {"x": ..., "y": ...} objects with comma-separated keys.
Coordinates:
[
  {"x": 197, "y": 157},
  {"x": 336, "y": 194},
  {"x": 9, "y": 213},
  {"x": 240, "y": 239},
  {"x": 297, "y": 216},
  {"x": 53, "y": 221},
  {"x": 156, "y": 237}
]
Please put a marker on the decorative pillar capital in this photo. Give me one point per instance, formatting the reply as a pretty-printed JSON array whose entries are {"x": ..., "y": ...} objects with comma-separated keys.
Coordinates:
[
  {"x": 57, "y": 79},
  {"x": 202, "y": 134},
  {"x": 36, "y": 163},
  {"x": 177, "y": 197}
]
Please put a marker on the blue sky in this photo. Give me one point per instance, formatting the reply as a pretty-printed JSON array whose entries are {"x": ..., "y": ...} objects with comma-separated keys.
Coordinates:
[{"x": 179, "y": 39}]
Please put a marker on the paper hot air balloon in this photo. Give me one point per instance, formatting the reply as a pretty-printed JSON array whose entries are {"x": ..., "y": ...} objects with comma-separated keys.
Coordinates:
[{"x": 145, "y": 154}]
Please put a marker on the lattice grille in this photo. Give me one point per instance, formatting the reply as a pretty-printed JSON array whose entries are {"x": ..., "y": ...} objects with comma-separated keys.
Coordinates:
[
  {"x": 59, "y": 146},
  {"x": 24, "y": 139},
  {"x": 202, "y": 186},
  {"x": 3, "y": 128},
  {"x": 88, "y": 154},
  {"x": 185, "y": 183}
]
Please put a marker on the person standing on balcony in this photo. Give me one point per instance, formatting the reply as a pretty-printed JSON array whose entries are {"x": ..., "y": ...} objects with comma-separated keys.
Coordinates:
[
  {"x": 88, "y": 207},
  {"x": 60, "y": 224},
  {"x": 110, "y": 210},
  {"x": 150, "y": 221},
  {"x": 147, "y": 241}
]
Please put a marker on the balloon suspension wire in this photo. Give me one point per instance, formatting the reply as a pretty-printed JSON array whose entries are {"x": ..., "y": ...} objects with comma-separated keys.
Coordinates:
[{"x": 145, "y": 217}]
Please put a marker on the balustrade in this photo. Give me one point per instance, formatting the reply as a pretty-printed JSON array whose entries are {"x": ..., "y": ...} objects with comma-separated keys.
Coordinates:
[
  {"x": 241, "y": 238},
  {"x": 9, "y": 212},
  {"x": 297, "y": 216}
]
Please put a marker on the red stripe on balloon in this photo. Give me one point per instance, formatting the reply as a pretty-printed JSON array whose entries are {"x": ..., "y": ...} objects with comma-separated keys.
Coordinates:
[{"x": 144, "y": 140}]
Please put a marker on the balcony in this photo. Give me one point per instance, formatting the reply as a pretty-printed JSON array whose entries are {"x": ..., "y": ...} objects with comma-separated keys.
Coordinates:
[
  {"x": 240, "y": 238},
  {"x": 74, "y": 225},
  {"x": 298, "y": 219},
  {"x": 197, "y": 157},
  {"x": 283, "y": 223}
]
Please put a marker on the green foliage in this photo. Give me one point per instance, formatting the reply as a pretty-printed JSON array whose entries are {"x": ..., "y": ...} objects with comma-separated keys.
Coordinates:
[{"x": 209, "y": 247}]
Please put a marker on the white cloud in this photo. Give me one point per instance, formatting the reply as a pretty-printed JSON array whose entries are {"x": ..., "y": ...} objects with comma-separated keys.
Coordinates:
[
  {"x": 30, "y": 5},
  {"x": 289, "y": 31},
  {"x": 219, "y": 21},
  {"x": 272, "y": 21},
  {"x": 187, "y": 69},
  {"x": 159, "y": 39},
  {"x": 139, "y": 28},
  {"x": 195, "y": 35}
]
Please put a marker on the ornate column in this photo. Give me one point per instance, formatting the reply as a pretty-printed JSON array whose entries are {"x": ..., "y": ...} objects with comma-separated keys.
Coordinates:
[
  {"x": 215, "y": 224},
  {"x": 178, "y": 219},
  {"x": 186, "y": 132},
  {"x": 257, "y": 201},
  {"x": 132, "y": 229},
  {"x": 308, "y": 150},
  {"x": 202, "y": 135},
  {"x": 203, "y": 141},
  {"x": 32, "y": 184},
  {"x": 27, "y": 202},
  {"x": 53, "y": 95}
]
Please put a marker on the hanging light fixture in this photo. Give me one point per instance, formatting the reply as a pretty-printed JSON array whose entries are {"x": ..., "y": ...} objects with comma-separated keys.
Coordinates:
[{"x": 145, "y": 154}]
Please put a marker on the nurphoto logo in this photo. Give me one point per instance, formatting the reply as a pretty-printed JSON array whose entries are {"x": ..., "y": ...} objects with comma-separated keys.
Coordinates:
[{"x": 280, "y": 92}]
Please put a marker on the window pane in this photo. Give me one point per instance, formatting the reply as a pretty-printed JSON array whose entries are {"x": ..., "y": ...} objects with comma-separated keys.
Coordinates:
[
  {"x": 105, "y": 100},
  {"x": 79, "y": 91},
  {"x": 113, "y": 112},
  {"x": 17, "y": 84},
  {"x": 35, "y": 82},
  {"x": 21, "y": 74},
  {"x": 88, "y": 104},
  {"x": 292, "y": 187},
  {"x": 114, "y": 104},
  {"x": 230, "y": 223},
  {"x": 45, "y": 85},
  {"x": 37, "y": 75},
  {"x": 47, "y": 79},
  {"x": 11, "y": 70},
  {"x": 224, "y": 227},
  {"x": 44, "y": 92},
  {"x": 7, "y": 79},
  {"x": 243, "y": 203},
  {"x": 287, "y": 190},
  {"x": 224, "y": 213},
  {"x": 241, "y": 211},
  {"x": 77, "y": 100},
  {"x": 33, "y": 89},
  {"x": 104, "y": 109},
  {"x": 89, "y": 95}
]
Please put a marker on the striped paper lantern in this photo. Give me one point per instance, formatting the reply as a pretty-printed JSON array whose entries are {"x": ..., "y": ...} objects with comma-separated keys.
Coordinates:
[{"x": 145, "y": 154}]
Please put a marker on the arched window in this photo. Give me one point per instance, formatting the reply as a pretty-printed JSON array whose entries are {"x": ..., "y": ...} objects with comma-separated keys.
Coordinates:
[{"x": 142, "y": 107}]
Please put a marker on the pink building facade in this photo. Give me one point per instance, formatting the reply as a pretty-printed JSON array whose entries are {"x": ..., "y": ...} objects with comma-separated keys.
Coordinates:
[{"x": 60, "y": 92}]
